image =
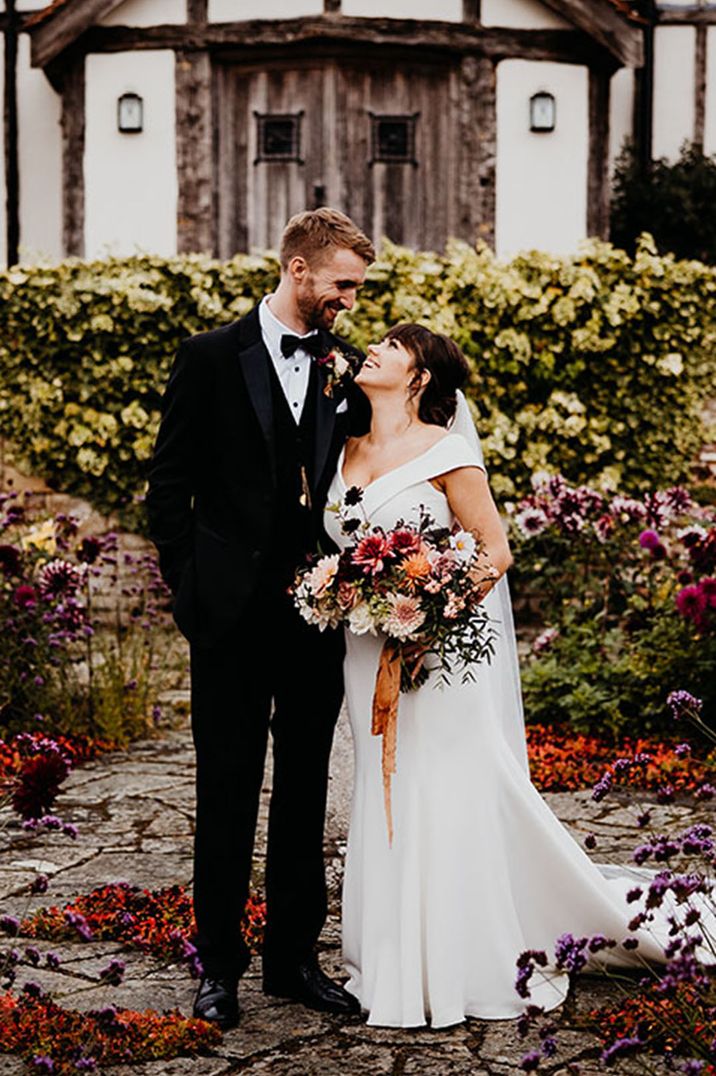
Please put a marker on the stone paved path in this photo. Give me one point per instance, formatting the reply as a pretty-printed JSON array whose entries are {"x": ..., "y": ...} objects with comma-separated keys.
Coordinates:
[{"x": 134, "y": 812}]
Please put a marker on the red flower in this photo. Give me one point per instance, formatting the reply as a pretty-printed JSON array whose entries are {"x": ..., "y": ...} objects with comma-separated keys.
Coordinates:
[
  {"x": 38, "y": 783},
  {"x": 372, "y": 552},
  {"x": 403, "y": 542}
]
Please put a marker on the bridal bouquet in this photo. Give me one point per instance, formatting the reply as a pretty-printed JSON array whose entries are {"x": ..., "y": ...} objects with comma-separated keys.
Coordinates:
[{"x": 420, "y": 587}]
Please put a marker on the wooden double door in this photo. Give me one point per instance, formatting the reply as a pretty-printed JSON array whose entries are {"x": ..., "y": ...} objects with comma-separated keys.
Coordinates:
[{"x": 379, "y": 139}]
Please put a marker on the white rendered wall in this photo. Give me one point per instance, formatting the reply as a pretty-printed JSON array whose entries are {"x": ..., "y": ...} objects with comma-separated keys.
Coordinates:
[
  {"x": 621, "y": 112},
  {"x": 445, "y": 11},
  {"x": 40, "y": 161},
  {"x": 146, "y": 13},
  {"x": 541, "y": 178},
  {"x": 3, "y": 218},
  {"x": 710, "y": 117},
  {"x": 238, "y": 10},
  {"x": 130, "y": 179},
  {"x": 523, "y": 14},
  {"x": 674, "y": 63}
]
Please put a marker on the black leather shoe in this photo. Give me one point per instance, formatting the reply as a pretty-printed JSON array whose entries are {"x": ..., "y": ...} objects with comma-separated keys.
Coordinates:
[
  {"x": 308, "y": 984},
  {"x": 217, "y": 1002}
]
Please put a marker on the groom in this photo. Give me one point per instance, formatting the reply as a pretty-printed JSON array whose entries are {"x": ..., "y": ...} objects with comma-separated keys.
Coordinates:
[{"x": 253, "y": 419}]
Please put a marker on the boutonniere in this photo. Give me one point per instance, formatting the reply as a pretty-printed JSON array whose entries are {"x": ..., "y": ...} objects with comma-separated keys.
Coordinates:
[{"x": 338, "y": 368}]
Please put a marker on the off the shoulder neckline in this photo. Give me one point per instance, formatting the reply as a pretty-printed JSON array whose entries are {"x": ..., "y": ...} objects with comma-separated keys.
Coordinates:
[{"x": 393, "y": 470}]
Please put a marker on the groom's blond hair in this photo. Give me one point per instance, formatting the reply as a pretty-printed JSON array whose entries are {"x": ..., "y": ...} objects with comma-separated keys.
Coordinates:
[{"x": 315, "y": 232}]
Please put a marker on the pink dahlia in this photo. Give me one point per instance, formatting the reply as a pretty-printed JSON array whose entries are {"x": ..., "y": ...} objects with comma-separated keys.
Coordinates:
[
  {"x": 372, "y": 552},
  {"x": 649, "y": 539},
  {"x": 691, "y": 602},
  {"x": 405, "y": 618},
  {"x": 25, "y": 596},
  {"x": 59, "y": 579}
]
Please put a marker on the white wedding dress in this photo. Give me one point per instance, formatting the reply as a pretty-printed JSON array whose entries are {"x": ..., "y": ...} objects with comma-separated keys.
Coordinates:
[{"x": 480, "y": 868}]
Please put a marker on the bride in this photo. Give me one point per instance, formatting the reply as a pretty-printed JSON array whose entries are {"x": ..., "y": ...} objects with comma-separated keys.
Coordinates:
[{"x": 479, "y": 868}]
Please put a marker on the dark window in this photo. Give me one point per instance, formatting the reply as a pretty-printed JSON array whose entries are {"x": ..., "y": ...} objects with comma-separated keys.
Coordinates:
[
  {"x": 278, "y": 137},
  {"x": 394, "y": 138}
]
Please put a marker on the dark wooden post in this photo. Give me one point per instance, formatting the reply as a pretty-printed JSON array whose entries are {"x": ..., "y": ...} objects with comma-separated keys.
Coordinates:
[
  {"x": 194, "y": 151},
  {"x": 73, "y": 149},
  {"x": 12, "y": 167},
  {"x": 598, "y": 168},
  {"x": 700, "y": 87},
  {"x": 478, "y": 146}
]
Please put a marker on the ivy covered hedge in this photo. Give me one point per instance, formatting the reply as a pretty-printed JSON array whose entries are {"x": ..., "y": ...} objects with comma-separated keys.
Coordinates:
[{"x": 594, "y": 365}]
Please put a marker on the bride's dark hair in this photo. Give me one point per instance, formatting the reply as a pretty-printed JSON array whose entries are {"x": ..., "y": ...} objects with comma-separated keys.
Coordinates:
[{"x": 445, "y": 362}]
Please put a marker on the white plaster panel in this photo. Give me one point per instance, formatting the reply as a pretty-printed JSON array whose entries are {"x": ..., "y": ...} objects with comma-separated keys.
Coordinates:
[
  {"x": 3, "y": 219},
  {"x": 238, "y": 10},
  {"x": 674, "y": 64},
  {"x": 522, "y": 14},
  {"x": 146, "y": 13},
  {"x": 621, "y": 112},
  {"x": 445, "y": 11},
  {"x": 710, "y": 117},
  {"x": 40, "y": 161},
  {"x": 27, "y": 5},
  {"x": 541, "y": 178},
  {"x": 130, "y": 179}
]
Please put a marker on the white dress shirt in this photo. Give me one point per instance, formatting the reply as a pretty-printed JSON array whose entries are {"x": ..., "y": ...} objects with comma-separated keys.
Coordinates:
[{"x": 293, "y": 373}]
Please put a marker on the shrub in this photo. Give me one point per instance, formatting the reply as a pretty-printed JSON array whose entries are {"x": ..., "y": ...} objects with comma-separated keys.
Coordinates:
[
  {"x": 594, "y": 364},
  {"x": 673, "y": 200}
]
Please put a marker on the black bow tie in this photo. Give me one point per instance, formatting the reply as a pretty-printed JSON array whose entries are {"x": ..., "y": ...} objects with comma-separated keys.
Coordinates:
[{"x": 318, "y": 345}]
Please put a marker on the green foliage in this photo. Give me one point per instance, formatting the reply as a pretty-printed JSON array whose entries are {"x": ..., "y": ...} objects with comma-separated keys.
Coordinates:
[
  {"x": 674, "y": 201},
  {"x": 593, "y": 364},
  {"x": 617, "y": 681}
]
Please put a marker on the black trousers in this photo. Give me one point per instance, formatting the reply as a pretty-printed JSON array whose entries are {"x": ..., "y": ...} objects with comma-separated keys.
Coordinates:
[{"x": 272, "y": 658}]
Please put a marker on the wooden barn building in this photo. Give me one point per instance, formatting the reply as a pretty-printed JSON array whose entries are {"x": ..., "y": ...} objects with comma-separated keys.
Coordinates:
[{"x": 202, "y": 125}]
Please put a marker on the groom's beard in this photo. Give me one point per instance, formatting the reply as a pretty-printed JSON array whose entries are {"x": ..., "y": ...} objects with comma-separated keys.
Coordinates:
[{"x": 316, "y": 313}]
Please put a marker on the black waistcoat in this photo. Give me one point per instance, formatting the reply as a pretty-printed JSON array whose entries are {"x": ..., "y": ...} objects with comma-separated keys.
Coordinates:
[{"x": 294, "y": 530}]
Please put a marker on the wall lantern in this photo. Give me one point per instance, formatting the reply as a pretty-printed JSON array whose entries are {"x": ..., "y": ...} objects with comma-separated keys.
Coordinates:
[
  {"x": 543, "y": 111},
  {"x": 130, "y": 113}
]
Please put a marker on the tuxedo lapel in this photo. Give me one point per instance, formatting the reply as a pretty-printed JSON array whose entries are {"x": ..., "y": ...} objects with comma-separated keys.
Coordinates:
[
  {"x": 254, "y": 361},
  {"x": 325, "y": 424}
]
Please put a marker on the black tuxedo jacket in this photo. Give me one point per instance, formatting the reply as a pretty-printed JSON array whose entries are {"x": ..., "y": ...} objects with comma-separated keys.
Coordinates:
[{"x": 211, "y": 500}]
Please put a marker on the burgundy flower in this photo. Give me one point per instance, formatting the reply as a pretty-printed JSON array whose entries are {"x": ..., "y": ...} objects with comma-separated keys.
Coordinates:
[
  {"x": 38, "y": 783},
  {"x": 25, "y": 596},
  {"x": 708, "y": 589},
  {"x": 9, "y": 560},
  {"x": 691, "y": 602},
  {"x": 89, "y": 549},
  {"x": 405, "y": 541}
]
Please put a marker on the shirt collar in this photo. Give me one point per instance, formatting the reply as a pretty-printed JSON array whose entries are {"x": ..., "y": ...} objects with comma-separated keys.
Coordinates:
[{"x": 273, "y": 329}]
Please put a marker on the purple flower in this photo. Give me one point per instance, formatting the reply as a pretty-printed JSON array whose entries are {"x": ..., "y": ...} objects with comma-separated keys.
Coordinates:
[
  {"x": 569, "y": 953},
  {"x": 634, "y": 894},
  {"x": 32, "y": 955},
  {"x": 692, "y": 1067},
  {"x": 682, "y": 750},
  {"x": 705, "y": 791},
  {"x": 86, "y": 1064},
  {"x": 530, "y": 1062},
  {"x": 80, "y": 924},
  {"x": 681, "y": 702},
  {"x": 649, "y": 539},
  {"x": 10, "y": 924},
  {"x": 39, "y": 884},
  {"x": 619, "y": 1049},
  {"x": 113, "y": 973},
  {"x": 590, "y": 841},
  {"x": 643, "y": 820},
  {"x": 602, "y": 787},
  {"x": 52, "y": 960},
  {"x": 42, "y": 1063},
  {"x": 33, "y": 990}
]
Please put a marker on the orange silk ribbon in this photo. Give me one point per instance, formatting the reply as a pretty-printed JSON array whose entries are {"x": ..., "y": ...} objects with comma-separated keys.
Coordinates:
[{"x": 385, "y": 718}]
